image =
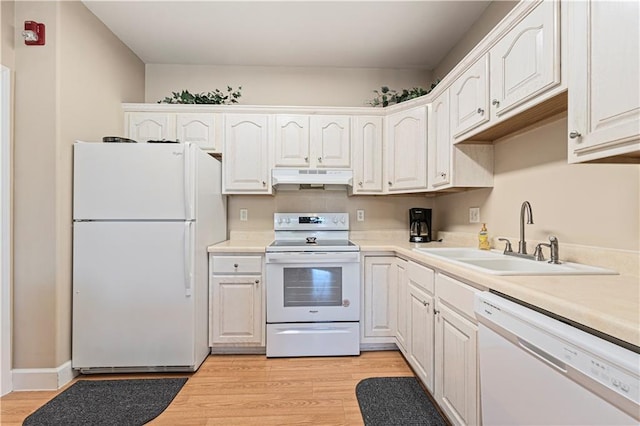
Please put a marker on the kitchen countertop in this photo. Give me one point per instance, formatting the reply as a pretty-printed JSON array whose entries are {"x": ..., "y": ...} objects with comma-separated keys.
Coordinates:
[{"x": 609, "y": 304}]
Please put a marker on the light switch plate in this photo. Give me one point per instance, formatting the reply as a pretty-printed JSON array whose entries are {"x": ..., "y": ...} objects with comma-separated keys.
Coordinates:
[
  {"x": 474, "y": 215},
  {"x": 360, "y": 215},
  {"x": 244, "y": 215}
]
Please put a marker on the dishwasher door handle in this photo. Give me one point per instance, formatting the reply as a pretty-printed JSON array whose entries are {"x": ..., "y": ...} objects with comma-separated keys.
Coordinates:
[{"x": 542, "y": 355}]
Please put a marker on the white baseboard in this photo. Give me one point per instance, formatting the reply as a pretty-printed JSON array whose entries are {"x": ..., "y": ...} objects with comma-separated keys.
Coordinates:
[{"x": 32, "y": 379}]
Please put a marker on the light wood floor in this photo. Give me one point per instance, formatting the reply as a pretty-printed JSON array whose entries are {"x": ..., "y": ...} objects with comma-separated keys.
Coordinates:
[{"x": 254, "y": 390}]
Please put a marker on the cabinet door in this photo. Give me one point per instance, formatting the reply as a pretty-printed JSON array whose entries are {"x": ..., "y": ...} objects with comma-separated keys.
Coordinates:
[
  {"x": 236, "y": 310},
  {"x": 604, "y": 87},
  {"x": 331, "y": 141},
  {"x": 198, "y": 128},
  {"x": 402, "y": 329},
  {"x": 440, "y": 142},
  {"x": 292, "y": 141},
  {"x": 456, "y": 366},
  {"x": 379, "y": 302},
  {"x": 367, "y": 154},
  {"x": 526, "y": 62},
  {"x": 145, "y": 126},
  {"x": 407, "y": 150},
  {"x": 421, "y": 331},
  {"x": 470, "y": 98},
  {"x": 246, "y": 154}
]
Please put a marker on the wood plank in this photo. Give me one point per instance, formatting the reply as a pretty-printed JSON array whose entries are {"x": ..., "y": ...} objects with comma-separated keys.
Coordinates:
[{"x": 252, "y": 389}]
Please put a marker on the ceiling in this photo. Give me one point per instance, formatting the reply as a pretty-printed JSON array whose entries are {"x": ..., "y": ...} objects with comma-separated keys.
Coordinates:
[{"x": 353, "y": 34}]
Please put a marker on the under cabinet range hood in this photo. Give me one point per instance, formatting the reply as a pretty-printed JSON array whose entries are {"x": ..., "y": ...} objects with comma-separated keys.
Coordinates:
[{"x": 292, "y": 179}]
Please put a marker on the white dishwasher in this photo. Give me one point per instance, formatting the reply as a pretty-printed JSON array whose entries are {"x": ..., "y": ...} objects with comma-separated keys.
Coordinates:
[{"x": 536, "y": 370}]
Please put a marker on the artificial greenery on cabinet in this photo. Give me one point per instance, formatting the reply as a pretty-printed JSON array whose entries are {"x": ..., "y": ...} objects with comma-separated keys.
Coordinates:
[
  {"x": 216, "y": 97},
  {"x": 386, "y": 96}
]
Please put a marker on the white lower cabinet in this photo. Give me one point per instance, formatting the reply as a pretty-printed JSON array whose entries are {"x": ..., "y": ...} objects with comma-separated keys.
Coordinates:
[
  {"x": 236, "y": 302},
  {"x": 402, "y": 321},
  {"x": 437, "y": 334},
  {"x": 457, "y": 390},
  {"x": 420, "y": 321},
  {"x": 379, "y": 305},
  {"x": 420, "y": 350}
]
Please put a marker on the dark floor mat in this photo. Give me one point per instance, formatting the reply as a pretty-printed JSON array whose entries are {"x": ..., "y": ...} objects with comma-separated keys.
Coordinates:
[
  {"x": 396, "y": 401},
  {"x": 108, "y": 402}
]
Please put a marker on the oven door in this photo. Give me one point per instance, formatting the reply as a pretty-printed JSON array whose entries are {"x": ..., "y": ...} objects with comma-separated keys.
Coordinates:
[{"x": 313, "y": 286}]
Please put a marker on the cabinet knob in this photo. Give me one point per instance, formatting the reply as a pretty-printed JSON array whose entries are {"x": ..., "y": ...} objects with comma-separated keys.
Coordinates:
[
  {"x": 425, "y": 303},
  {"x": 264, "y": 183},
  {"x": 436, "y": 312},
  {"x": 390, "y": 183},
  {"x": 443, "y": 175},
  {"x": 480, "y": 111},
  {"x": 495, "y": 102},
  {"x": 257, "y": 282},
  {"x": 235, "y": 265},
  {"x": 359, "y": 183},
  {"x": 575, "y": 135},
  {"x": 306, "y": 159},
  {"x": 319, "y": 159}
]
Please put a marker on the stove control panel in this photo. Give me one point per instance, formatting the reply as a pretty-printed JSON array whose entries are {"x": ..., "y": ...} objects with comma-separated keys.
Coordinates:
[{"x": 311, "y": 221}]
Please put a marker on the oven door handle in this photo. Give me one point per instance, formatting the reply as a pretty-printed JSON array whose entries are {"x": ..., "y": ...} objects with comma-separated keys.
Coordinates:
[{"x": 313, "y": 257}]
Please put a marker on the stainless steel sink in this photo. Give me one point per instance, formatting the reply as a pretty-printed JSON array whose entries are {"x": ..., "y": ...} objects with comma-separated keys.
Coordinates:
[{"x": 496, "y": 263}]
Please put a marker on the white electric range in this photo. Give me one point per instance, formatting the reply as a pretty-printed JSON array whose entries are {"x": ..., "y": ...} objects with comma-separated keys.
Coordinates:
[{"x": 313, "y": 286}]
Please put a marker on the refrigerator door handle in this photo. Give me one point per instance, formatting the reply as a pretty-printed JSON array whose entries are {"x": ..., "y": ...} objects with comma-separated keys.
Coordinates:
[
  {"x": 188, "y": 259},
  {"x": 189, "y": 162}
]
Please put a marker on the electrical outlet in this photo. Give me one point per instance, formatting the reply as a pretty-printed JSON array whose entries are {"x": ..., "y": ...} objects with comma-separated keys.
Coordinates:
[
  {"x": 474, "y": 215},
  {"x": 360, "y": 215},
  {"x": 244, "y": 215}
]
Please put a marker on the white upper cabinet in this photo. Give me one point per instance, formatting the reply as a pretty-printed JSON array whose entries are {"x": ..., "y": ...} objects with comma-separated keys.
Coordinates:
[
  {"x": 367, "y": 154},
  {"x": 312, "y": 141},
  {"x": 145, "y": 126},
  {"x": 331, "y": 141},
  {"x": 292, "y": 141},
  {"x": 604, "y": 81},
  {"x": 440, "y": 142},
  {"x": 198, "y": 128},
  {"x": 526, "y": 61},
  {"x": 470, "y": 98},
  {"x": 245, "y": 165},
  {"x": 406, "y": 152}
]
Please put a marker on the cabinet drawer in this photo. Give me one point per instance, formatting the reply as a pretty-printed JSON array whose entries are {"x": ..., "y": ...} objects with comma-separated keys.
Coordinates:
[
  {"x": 456, "y": 294},
  {"x": 237, "y": 264},
  {"x": 421, "y": 276}
]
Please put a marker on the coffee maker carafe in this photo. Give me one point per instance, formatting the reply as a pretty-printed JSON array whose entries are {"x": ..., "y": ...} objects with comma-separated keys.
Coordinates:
[{"x": 419, "y": 225}]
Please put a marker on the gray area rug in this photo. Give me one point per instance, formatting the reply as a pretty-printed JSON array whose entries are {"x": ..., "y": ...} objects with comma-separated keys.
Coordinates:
[
  {"x": 108, "y": 402},
  {"x": 396, "y": 401}
]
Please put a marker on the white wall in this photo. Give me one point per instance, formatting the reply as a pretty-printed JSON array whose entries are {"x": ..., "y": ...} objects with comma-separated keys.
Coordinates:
[
  {"x": 69, "y": 89},
  {"x": 280, "y": 85},
  {"x": 492, "y": 15},
  {"x": 389, "y": 212},
  {"x": 586, "y": 204}
]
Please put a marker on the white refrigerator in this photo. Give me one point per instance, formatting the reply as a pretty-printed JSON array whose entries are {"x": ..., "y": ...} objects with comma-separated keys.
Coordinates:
[{"x": 143, "y": 216}]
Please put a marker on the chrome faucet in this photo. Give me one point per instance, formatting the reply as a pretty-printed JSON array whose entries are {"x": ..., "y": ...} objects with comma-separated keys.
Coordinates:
[
  {"x": 522, "y": 244},
  {"x": 553, "y": 247}
]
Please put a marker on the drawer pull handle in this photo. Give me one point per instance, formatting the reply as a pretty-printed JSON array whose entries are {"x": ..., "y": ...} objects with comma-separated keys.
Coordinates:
[{"x": 235, "y": 265}]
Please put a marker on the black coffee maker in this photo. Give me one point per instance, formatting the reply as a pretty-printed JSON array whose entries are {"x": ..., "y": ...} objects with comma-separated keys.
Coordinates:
[{"x": 419, "y": 225}]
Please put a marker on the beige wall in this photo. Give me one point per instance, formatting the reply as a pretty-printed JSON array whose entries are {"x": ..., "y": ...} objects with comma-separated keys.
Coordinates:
[
  {"x": 69, "y": 89},
  {"x": 7, "y": 31},
  {"x": 282, "y": 86},
  {"x": 586, "y": 204},
  {"x": 381, "y": 212},
  {"x": 487, "y": 21}
]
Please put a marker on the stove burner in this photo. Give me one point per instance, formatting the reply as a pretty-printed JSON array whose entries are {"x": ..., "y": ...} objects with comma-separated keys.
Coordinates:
[{"x": 311, "y": 240}]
